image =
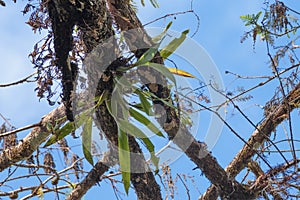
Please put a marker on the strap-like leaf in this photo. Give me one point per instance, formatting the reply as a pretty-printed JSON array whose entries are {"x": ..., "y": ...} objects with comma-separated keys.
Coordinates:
[
  {"x": 131, "y": 129},
  {"x": 141, "y": 118},
  {"x": 160, "y": 36},
  {"x": 180, "y": 72},
  {"x": 124, "y": 158},
  {"x": 148, "y": 55},
  {"x": 68, "y": 128},
  {"x": 173, "y": 45},
  {"x": 63, "y": 132},
  {"x": 144, "y": 102},
  {"x": 87, "y": 140}
]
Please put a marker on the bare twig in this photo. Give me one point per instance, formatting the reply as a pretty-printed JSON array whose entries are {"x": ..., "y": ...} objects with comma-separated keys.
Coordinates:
[
  {"x": 185, "y": 186},
  {"x": 168, "y": 15},
  {"x": 19, "y": 129},
  {"x": 19, "y": 81},
  {"x": 274, "y": 68},
  {"x": 267, "y": 126}
]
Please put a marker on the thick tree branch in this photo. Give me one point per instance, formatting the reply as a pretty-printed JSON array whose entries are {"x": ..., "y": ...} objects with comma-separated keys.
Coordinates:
[
  {"x": 195, "y": 150},
  {"x": 274, "y": 118},
  {"x": 33, "y": 140},
  {"x": 63, "y": 15},
  {"x": 94, "y": 176},
  {"x": 97, "y": 30}
]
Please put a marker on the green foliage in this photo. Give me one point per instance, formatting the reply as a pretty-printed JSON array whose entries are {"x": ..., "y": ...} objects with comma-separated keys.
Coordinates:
[
  {"x": 144, "y": 103},
  {"x": 251, "y": 19},
  {"x": 162, "y": 34},
  {"x": 142, "y": 119},
  {"x": 61, "y": 133},
  {"x": 124, "y": 113},
  {"x": 148, "y": 55},
  {"x": 153, "y": 2},
  {"x": 277, "y": 21},
  {"x": 124, "y": 158},
  {"x": 131, "y": 129},
  {"x": 87, "y": 140},
  {"x": 173, "y": 45}
]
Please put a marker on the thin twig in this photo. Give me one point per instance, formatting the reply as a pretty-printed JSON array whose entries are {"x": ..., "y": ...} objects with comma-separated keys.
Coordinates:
[
  {"x": 186, "y": 187},
  {"x": 230, "y": 128},
  {"x": 19, "y": 81},
  {"x": 252, "y": 124},
  {"x": 20, "y": 129},
  {"x": 168, "y": 15},
  {"x": 285, "y": 101}
]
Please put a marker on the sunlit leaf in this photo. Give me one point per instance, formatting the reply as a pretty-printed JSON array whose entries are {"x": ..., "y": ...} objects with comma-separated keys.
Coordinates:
[
  {"x": 148, "y": 55},
  {"x": 144, "y": 103},
  {"x": 68, "y": 128},
  {"x": 102, "y": 98},
  {"x": 173, "y": 45},
  {"x": 131, "y": 129},
  {"x": 141, "y": 118},
  {"x": 62, "y": 132},
  {"x": 87, "y": 140},
  {"x": 180, "y": 72},
  {"x": 160, "y": 36},
  {"x": 124, "y": 158}
]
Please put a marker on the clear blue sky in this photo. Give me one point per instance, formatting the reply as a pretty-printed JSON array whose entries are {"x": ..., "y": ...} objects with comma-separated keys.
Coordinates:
[{"x": 219, "y": 33}]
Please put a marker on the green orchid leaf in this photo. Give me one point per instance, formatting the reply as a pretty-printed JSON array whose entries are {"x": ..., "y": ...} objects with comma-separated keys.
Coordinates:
[
  {"x": 160, "y": 36},
  {"x": 147, "y": 108},
  {"x": 141, "y": 118},
  {"x": 124, "y": 158},
  {"x": 173, "y": 45},
  {"x": 148, "y": 55},
  {"x": 131, "y": 129},
  {"x": 62, "y": 132},
  {"x": 87, "y": 140}
]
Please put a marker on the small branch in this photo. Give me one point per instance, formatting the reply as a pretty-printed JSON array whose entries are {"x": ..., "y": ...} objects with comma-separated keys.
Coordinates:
[
  {"x": 18, "y": 82},
  {"x": 247, "y": 77},
  {"x": 275, "y": 71},
  {"x": 262, "y": 83},
  {"x": 248, "y": 151},
  {"x": 168, "y": 15},
  {"x": 56, "y": 189},
  {"x": 19, "y": 129},
  {"x": 33, "y": 140},
  {"x": 263, "y": 180},
  {"x": 94, "y": 176},
  {"x": 185, "y": 186}
]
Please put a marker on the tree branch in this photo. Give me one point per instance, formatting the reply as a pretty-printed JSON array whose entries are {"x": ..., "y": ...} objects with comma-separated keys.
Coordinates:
[
  {"x": 195, "y": 150},
  {"x": 96, "y": 27},
  {"x": 32, "y": 141},
  {"x": 241, "y": 160},
  {"x": 93, "y": 177}
]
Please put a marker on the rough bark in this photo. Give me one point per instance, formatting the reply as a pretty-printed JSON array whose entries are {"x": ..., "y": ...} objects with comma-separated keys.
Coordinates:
[
  {"x": 195, "y": 150},
  {"x": 96, "y": 27},
  {"x": 33, "y": 140},
  {"x": 94, "y": 176},
  {"x": 257, "y": 138},
  {"x": 63, "y": 15},
  {"x": 144, "y": 183}
]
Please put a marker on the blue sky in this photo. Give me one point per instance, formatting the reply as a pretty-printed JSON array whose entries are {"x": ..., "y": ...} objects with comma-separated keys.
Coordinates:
[{"x": 219, "y": 33}]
